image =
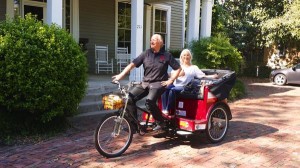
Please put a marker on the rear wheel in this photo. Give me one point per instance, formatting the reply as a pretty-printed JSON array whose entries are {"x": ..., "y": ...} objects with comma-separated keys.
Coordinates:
[
  {"x": 113, "y": 136},
  {"x": 217, "y": 125},
  {"x": 280, "y": 79}
]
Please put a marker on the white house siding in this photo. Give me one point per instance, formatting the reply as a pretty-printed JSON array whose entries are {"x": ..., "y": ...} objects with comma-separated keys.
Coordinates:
[
  {"x": 176, "y": 24},
  {"x": 2, "y": 9},
  {"x": 97, "y": 23}
]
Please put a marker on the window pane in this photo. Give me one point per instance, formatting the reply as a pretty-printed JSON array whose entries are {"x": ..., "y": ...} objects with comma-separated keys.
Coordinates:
[
  {"x": 128, "y": 22},
  {"x": 163, "y": 15},
  {"x": 157, "y": 26},
  {"x": 121, "y": 9},
  {"x": 124, "y": 24},
  {"x": 157, "y": 14},
  {"x": 127, "y": 35},
  {"x": 121, "y": 21},
  {"x": 121, "y": 35},
  {"x": 163, "y": 27}
]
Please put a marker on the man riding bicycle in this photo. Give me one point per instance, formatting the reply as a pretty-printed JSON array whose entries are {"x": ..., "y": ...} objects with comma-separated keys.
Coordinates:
[{"x": 155, "y": 62}]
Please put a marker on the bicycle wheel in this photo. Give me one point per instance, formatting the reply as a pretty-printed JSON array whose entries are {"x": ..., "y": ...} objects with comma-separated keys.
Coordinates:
[
  {"x": 217, "y": 125},
  {"x": 110, "y": 142}
]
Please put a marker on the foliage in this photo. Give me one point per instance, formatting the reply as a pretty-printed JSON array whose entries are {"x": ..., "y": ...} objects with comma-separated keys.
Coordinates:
[
  {"x": 175, "y": 52},
  {"x": 251, "y": 25},
  {"x": 238, "y": 91},
  {"x": 43, "y": 75},
  {"x": 216, "y": 53},
  {"x": 284, "y": 28}
]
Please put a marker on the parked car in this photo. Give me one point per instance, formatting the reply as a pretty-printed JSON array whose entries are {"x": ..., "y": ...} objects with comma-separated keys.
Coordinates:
[{"x": 286, "y": 76}]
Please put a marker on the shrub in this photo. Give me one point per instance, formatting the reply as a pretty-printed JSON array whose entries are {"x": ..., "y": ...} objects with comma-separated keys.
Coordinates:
[
  {"x": 216, "y": 53},
  {"x": 238, "y": 91},
  {"x": 175, "y": 52},
  {"x": 43, "y": 75}
]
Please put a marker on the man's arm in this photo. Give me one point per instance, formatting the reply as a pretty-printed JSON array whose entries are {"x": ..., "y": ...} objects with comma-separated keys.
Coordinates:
[{"x": 124, "y": 72}]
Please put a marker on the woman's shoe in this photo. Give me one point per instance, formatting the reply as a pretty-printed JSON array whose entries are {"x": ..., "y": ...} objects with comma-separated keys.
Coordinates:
[{"x": 166, "y": 112}]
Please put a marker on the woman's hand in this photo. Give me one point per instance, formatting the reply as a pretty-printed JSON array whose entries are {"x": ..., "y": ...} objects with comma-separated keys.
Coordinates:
[{"x": 167, "y": 83}]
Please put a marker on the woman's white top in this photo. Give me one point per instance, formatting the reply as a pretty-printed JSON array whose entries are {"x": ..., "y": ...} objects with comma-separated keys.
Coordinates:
[{"x": 189, "y": 73}]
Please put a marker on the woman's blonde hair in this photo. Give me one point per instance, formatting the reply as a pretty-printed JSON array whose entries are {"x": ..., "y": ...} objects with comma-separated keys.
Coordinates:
[{"x": 184, "y": 52}]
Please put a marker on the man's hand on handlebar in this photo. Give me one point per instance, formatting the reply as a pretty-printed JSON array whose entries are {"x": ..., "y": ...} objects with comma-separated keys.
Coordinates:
[{"x": 116, "y": 77}]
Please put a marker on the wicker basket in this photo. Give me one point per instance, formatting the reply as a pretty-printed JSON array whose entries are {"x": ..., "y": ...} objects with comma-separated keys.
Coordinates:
[{"x": 112, "y": 102}]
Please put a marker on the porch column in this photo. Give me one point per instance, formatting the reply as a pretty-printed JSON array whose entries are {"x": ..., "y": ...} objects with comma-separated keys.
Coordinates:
[
  {"x": 206, "y": 18},
  {"x": 193, "y": 20},
  {"x": 75, "y": 20},
  {"x": 137, "y": 15},
  {"x": 54, "y": 12},
  {"x": 10, "y": 8}
]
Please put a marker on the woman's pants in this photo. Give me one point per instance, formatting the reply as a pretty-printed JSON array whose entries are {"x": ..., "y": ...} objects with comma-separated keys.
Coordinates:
[{"x": 168, "y": 98}]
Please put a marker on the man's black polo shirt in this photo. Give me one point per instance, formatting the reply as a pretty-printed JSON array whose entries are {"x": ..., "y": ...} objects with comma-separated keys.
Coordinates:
[{"x": 155, "y": 65}]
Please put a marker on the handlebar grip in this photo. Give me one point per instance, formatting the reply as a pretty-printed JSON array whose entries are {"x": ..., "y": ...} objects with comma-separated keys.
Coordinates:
[
  {"x": 115, "y": 82},
  {"x": 136, "y": 83}
]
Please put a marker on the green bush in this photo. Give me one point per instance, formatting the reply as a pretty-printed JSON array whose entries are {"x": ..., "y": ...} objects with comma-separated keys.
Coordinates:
[
  {"x": 238, "y": 91},
  {"x": 43, "y": 75},
  {"x": 175, "y": 52},
  {"x": 216, "y": 53}
]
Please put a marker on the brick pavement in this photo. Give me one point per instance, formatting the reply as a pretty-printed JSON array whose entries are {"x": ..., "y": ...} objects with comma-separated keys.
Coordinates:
[{"x": 264, "y": 132}]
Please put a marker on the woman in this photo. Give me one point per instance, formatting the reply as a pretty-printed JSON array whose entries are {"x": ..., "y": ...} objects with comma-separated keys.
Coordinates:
[{"x": 188, "y": 72}]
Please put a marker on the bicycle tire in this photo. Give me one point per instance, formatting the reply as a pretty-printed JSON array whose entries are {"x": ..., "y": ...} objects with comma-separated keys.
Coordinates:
[{"x": 106, "y": 142}]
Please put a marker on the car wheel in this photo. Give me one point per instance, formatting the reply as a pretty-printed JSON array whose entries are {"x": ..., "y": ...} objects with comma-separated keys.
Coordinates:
[{"x": 280, "y": 79}]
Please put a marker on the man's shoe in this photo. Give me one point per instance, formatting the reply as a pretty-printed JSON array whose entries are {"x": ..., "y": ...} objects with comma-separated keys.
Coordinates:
[{"x": 159, "y": 126}]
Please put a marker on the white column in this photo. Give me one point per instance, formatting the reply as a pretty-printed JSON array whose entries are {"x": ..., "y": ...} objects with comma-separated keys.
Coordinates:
[
  {"x": 75, "y": 20},
  {"x": 193, "y": 20},
  {"x": 10, "y": 8},
  {"x": 54, "y": 12},
  {"x": 206, "y": 18},
  {"x": 137, "y": 15},
  {"x": 147, "y": 27},
  {"x": 183, "y": 22}
]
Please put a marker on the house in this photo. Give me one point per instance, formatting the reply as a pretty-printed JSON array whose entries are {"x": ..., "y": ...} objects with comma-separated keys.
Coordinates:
[{"x": 119, "y": 23}]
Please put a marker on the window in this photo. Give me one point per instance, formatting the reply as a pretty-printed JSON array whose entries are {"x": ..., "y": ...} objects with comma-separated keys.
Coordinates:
[
  {"x": 161, "y": 22},
  {"x": 124, "y": 25}
]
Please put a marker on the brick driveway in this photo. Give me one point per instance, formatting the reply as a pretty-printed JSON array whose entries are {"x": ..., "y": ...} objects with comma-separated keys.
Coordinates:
[{"x": 264, "y": 132}]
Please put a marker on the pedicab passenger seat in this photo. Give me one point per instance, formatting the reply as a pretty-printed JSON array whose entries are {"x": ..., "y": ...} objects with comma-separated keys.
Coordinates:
[
  {"x": 220, "y": 87},
  {"x": 192, "y": 90}
]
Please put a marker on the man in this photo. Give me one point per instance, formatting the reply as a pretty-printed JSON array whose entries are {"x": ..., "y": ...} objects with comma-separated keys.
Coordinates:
[{"x": 155, "y": 62}]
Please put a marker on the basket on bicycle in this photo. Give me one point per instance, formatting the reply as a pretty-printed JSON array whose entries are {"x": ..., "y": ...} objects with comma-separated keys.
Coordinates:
[{"x": 112, "y": 102}]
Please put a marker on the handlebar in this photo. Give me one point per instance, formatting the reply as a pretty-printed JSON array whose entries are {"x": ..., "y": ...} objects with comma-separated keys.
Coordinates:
[{"x": 123, "y": 89}]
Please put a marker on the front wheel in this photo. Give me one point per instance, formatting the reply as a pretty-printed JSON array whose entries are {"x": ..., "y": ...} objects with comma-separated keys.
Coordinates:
[
  {"x": 217, "y": 125},
  {"x": 113, "y": 136},
  {"x": 280, "y": 79}
]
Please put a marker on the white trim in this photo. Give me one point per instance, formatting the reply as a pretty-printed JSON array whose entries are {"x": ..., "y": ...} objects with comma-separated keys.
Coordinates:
[
  {"x": 168, "y": 9},
  {"x": 193, "y": 20},
  {"x": 147, "y": 27},
  {"x": 116, "y": 25},
  {"x": 74, "y": 25},
  {"x": 206, "y": 18},
  {"x": 10, "y": 8},
  {"x": 137, "y": 24},
  {"x": 54, "y": 12},
  {"x": 183, "y": 22}
]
